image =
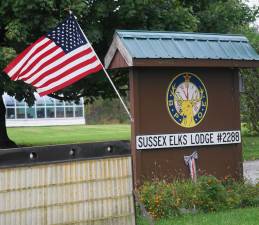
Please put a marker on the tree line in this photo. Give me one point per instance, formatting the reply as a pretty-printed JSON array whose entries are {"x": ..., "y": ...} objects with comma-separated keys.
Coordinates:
[{"x": 24, "y": 21}]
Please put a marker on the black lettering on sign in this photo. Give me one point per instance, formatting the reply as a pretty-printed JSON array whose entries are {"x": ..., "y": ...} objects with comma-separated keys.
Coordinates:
[
  {"x": 171, "y": 140},
  {"x": 155, "y": 141},
  {"x": 187, "y": 139},
  {"x": 140, "y": 143},
  {"x": 180, "y": 139},
  {"x": 145, "y": 142},
  {"x": 164, "y": 140},
  {"x": 192, "y": 140},
  {"x": 201, "y": 138},
  {"x": 197, "y": 139},
  {"x": 160, "y": 141},
  {"x": 150, "y": 141},
  {"x": 184, "y": 139},
  {"x": 174, "y": 140},
  {"x": 211, "y": 138}
]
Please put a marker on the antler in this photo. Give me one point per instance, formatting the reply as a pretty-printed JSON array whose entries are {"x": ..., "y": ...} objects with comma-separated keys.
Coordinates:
[
  {"x": 178, "y": 98},
  {"x": 197, "y": 99}
]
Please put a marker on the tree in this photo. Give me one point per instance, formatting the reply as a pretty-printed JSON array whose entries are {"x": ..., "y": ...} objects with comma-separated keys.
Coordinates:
[
  {"x": 250, "y": 96},
  {"x": 222, "y": 16},
  {"x": 23, "y": 21}
]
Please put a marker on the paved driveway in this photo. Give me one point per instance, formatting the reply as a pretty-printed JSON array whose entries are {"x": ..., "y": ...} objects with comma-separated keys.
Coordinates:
[{"x": 251, "y": 171}]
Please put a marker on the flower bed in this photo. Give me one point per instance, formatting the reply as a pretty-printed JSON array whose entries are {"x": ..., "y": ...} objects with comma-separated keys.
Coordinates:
[{"x": 162, "y": 199}]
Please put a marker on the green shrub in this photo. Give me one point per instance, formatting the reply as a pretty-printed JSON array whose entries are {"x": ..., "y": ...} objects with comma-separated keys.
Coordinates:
[
  {"x": 159, "y": 199},
  {"x": 249, "y": 195},
  {"x": 243, "y": 194},
  {"x": 186, "y": 192},
  {"x": 233, "y": 198},
  {"x": 211, "y": 193},
  {"x": 163, "y": 199}
]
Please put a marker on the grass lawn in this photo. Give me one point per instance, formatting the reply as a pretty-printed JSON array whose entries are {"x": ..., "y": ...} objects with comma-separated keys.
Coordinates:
[
  {"x": 247, "y": 216},
  {"x": 32, "y": 136},
  {"x": 35, "y": 136}
]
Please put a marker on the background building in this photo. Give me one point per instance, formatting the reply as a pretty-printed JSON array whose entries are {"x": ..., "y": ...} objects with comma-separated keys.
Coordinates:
[{"x": 45, "y": 111}]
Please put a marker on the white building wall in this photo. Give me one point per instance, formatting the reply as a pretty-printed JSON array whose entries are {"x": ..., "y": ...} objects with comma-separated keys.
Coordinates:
[{"x": 46, "y": 111}]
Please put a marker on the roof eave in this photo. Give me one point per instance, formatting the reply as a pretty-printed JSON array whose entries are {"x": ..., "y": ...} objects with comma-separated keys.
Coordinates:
[
  {"x": 117, "y": 45},
  {"x": 147, "y": 62}
]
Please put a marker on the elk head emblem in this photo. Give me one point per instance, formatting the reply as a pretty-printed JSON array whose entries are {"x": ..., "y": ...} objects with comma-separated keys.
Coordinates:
[{"x": 187, "y": 104}]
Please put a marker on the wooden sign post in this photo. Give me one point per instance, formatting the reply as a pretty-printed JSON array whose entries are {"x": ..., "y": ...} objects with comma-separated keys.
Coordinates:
[{"x": 184, "y": 95}]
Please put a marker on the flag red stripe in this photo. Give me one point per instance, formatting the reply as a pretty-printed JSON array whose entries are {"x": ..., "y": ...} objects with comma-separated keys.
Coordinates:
[
  {"x": 17, "y": 73},
  {"x": 21, "y": 55},
  {"x": 59, "y": 66},
  {"x": 67, "y": 72},
  {"x": 56, "y": 57},
  {"x": 42, "y": 56},
  {"x": 71, "y": 81}
]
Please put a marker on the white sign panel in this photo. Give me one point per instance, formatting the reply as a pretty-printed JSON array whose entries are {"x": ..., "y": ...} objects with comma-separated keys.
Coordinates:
[{"x": 187, "y": 139}]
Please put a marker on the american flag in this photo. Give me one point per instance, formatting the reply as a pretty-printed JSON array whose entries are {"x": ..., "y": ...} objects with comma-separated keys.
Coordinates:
[
  {"x": 190, "y": 162},
  {"x": 56, "y": 60}
]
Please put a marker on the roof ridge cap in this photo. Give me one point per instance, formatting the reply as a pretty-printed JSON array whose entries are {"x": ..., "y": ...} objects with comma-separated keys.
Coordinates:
[{"x": 176, "y": 32}]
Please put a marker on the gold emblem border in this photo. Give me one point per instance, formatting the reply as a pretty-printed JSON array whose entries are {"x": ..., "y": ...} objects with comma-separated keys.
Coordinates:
[{"x": 167, "y": 106}]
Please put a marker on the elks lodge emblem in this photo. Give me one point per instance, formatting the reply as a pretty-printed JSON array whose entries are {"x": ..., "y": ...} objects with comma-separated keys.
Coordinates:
[{"x": 187, "y": 100}]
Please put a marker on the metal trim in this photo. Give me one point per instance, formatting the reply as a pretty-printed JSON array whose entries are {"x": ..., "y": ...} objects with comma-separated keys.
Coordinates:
[{"x": 30, "y": 156}]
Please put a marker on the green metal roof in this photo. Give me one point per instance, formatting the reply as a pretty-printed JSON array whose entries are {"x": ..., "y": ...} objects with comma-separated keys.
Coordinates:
[{"x": 177, "y": 45}]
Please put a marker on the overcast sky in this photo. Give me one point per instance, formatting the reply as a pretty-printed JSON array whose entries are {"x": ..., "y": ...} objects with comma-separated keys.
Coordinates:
[{"x": 254, "y": 3}]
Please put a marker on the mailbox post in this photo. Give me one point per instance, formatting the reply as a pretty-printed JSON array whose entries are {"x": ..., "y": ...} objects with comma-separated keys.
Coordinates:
[{"x": 184, "y": 96}]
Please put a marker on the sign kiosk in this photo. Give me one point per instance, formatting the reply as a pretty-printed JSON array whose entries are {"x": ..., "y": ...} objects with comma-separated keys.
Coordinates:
[{"x": 184, "y": 95}]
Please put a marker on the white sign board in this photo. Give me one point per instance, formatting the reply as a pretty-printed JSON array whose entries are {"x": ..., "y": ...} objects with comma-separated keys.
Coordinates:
[{"x": 187, "y": 139}]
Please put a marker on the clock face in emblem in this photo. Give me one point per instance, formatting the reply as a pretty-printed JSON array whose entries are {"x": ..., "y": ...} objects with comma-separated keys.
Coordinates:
[{"x": 187, "y": 100}]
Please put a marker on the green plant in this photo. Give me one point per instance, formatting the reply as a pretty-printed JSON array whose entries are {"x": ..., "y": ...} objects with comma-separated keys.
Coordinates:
[
  {"x": 249, "y": 195},
  {"x": 211, "y": 194},
  {"x": 186, "y": 193},
  {"x": 233, "y": 198},
  {"x": 241, "y": 194},
  {"x": 163, "y": 200},
  {"x": 159, "y": 199}
]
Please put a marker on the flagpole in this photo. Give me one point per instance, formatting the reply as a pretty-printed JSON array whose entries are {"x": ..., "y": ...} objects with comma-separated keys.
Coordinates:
[{"x": 106, "y": 73}]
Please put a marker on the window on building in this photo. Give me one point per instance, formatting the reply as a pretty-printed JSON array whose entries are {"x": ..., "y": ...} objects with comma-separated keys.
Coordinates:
[
  {"x": 20, "y": 112},
  {"x": 44, "y": 107},
  {"x": 60, "y": 112},
  {"x": 50, "y": 112},
  {"x": 40, "y": 112},
  {"x": 10, "y": 113},
  {"x": 69, "y": 112},
  {"x": 31, "y": 112},
  {"x": 78, "y": 112}
]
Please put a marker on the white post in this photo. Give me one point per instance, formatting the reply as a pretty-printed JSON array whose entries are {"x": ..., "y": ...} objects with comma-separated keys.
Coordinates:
[{"x": 106, "y": 73}]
